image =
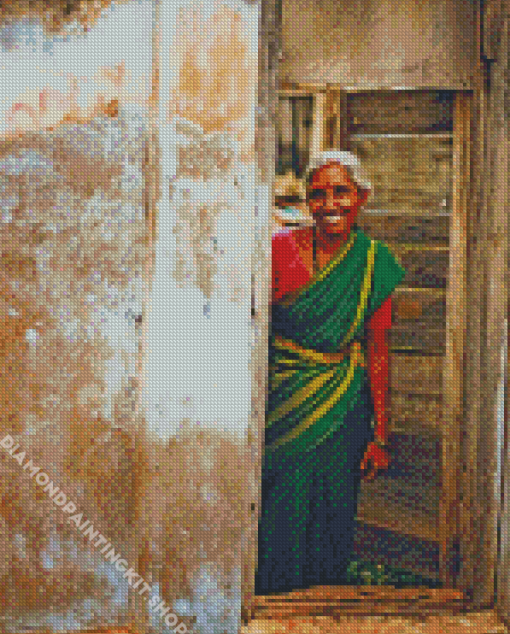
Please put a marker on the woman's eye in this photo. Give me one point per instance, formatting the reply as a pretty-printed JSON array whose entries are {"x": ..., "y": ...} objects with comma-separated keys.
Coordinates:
[{"x": 320, "y": 193}]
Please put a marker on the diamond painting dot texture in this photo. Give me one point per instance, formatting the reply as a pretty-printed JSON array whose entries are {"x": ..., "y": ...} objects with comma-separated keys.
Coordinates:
[{"x": 254, "y": 315}]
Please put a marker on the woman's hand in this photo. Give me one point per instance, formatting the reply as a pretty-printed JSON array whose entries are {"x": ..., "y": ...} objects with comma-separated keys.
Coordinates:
[{"x": 375, "y": 459}]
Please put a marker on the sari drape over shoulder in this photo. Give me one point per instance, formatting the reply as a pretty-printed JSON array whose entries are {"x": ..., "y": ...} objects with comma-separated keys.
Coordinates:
[{"x": 317, "y": 357}]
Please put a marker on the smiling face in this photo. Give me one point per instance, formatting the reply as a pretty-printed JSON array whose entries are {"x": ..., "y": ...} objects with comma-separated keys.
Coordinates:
[{"x": 334, "y": 200}]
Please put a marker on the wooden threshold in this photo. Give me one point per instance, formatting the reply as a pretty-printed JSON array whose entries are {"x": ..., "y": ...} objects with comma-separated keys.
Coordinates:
[
  {"x": 464, "y": 622},
  {"x": 358, "y": 600},
  {"x": 480, "y": 622}
]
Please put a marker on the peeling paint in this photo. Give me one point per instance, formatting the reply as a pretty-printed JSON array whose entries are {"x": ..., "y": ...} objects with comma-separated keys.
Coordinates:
[
  {"x": 73, "y": 247},
  {"x": 72, "y": 251}
]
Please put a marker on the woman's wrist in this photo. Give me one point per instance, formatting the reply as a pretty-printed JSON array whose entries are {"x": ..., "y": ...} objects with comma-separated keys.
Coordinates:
[{"x": 381, "y": 431}]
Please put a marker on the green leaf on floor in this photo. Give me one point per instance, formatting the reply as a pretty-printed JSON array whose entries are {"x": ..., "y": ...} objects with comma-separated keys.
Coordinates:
[{"x": 366, "y": 574}]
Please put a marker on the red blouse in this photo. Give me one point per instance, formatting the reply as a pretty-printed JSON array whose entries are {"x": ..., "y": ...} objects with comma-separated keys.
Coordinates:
[{"x": 290, "y": 273}]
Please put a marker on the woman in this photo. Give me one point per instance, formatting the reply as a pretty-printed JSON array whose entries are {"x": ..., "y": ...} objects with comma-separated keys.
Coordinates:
[{"x": 328, "y": 370}]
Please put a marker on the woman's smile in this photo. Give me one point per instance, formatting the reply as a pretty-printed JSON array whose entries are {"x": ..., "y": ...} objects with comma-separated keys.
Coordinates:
[{"x": 333, "y": 217}]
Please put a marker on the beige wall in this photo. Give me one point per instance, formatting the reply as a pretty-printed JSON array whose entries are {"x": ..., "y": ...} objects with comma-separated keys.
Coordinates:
[
  {"x": 379, "y": 43},
  {"x": 197, "y": 381},
  {"x": 73, "y": 224},
  {"x": 90, "y": 310}
]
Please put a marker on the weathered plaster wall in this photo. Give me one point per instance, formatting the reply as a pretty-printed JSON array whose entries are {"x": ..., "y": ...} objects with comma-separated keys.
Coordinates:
[
  {"x": 91, "y": 310},
  {"x": 379, "y": 43},
  {"x": 197, "y": 378},
  {"x": 72, "y": 250}
]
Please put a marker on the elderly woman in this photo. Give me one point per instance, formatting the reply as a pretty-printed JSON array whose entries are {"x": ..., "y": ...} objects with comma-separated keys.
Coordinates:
[{"x": 328, "y": 372}]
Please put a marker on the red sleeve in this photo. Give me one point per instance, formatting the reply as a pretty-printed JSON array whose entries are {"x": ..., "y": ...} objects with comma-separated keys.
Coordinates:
[
  {"x": 274, "y": 265},
  {"x": 378, "y": 365},
  {"x": 381, "y": 319},
  {"x": 288, "y": 272}
]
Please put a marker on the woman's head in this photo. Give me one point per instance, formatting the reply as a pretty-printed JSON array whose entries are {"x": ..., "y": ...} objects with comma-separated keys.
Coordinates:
[
  {"x": 349, "y": 160},
  {"x": 336, "y": 188}
]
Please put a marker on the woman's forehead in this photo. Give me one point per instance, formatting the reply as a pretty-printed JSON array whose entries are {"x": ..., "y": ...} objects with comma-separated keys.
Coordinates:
[{"x": 332, "y": 174}]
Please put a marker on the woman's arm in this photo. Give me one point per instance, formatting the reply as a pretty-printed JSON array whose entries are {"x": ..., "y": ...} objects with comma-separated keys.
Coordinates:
[{"x": 378, "y": 365}]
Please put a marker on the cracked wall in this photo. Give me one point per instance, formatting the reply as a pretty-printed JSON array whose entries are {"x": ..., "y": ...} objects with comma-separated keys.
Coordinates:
[
  {"x": 197, "y": 380},
  {"x": 126, "y": 362},
  {"x": 72, "y": 251}
]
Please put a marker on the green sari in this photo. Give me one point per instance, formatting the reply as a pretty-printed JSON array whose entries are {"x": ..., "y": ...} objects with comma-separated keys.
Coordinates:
[{"x": 318, "y": 416}]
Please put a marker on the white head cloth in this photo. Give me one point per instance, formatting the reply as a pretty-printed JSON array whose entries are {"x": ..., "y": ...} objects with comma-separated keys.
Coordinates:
[{"x": 349, "y": 160}]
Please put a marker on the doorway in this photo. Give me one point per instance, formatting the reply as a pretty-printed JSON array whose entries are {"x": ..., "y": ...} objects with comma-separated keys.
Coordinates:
[{"x": 414, "y": 146}]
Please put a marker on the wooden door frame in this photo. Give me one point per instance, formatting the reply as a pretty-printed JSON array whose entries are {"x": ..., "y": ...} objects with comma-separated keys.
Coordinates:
[
  {"x": 453, "y": 364},
  {"x": 486, "y": 310},
  {"x": 373, "y": 599}
]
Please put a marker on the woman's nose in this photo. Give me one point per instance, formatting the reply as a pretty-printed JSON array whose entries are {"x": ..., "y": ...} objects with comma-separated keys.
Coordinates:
[{"x": 330, "y": 200}]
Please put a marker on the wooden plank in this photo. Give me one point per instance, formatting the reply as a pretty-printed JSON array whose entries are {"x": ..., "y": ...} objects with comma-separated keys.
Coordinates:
[
  {"x": 415, "y": 374},
  {"x": 337, "y": 117},
  {"x": 426, "y": 267},
  {"x": 453, "y": 375},
  {"x": 284, "y": 134},
  {"x": 496, "y": 303},
  {"x": 319, "y": 124},
  {"x": 288, "y": 93},
  {"x": 404, "y": 135},
  {"x": 429, "y": 207},
  {"x": 373, "y": 600},
  {"x": 484, "y": 622},
  {"x": 397, "y": 518},
  {"x": 324, "y": 594},
  {"x": 415, "y": 414},
  {"x": 269, "y": 47},
  {"x": 331, "y": 120},
  {"x": 424, "y": 229},
  {"x": 368, "y": 607},
  {"x": 302, "y": 130},
  {"x": 345, "y": 117},
  {"x": 503, "y": 572},
  {"x": 417, "y": 338},
  {"x": 492, "y": 22},
  {"x": 304, "y": 88},
  {"x": 419, "y": 305},
  {"x": 401, "y": 111},
  {"x": 393, "y": 199},
  {"x": 486, "y": 291},
  {"x": 473, "y": 573}
]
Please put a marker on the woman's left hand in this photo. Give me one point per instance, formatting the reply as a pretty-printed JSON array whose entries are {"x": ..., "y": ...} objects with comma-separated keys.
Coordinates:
[{"x": 375, "y": 459}]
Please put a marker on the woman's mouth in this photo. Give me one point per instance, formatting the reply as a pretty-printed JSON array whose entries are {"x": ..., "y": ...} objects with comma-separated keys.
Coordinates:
[{"x": 332, "y": 218}]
